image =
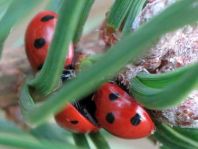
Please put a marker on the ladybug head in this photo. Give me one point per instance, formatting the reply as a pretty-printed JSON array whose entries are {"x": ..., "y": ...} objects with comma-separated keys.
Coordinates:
[{"x": 68, "y": 74}]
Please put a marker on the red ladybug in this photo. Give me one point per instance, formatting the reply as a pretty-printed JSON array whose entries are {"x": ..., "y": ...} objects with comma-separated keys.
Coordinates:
[
  {"x": 38, "y": 37},
  {"x": 77, "y": 117},
  {"x": 70, "y": 118},
  {"x": 119, "y": 113}
]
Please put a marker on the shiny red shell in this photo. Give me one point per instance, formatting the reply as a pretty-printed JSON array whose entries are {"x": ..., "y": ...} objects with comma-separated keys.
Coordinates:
[
  {"x": 70, "y": 118},
  {"x": 38, "y": 37},
  {"x": 120, "y": 114}
]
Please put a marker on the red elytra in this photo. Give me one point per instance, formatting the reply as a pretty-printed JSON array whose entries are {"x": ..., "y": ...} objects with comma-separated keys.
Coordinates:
[
  {"x": 38, "y": 37},
  {"x": 71, "y": 119},
  {"x": 120, "y": 114}
]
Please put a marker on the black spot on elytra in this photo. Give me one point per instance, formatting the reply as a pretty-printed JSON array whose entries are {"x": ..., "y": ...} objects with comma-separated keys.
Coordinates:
[
  {"x": 40, "y": 67},
  {"x": 47, "y": 18},
  {"x": 110, "y": 118},
  {"x": 113, "y": 96},
  {"x": 135, "y": 120},
  {"x": 39, "y": 43},
  {"x": 74, "y": 122}
]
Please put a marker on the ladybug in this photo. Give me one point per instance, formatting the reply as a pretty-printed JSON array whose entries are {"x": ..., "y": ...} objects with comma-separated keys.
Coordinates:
[
  {"x": 78, "y": 116},
  {"x": 120, "y": 114},
  {"x": 71, "y": 119},
  {"x": 38, "y": 37}
]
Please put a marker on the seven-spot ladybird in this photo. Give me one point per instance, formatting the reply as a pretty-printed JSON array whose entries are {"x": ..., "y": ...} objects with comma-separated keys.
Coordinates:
[
  {"x": 120, "y": 114},
  {"x": 38, "y": 37},
  {"x": 71, "y": 119},
  {"x": 78, "y": 116}
]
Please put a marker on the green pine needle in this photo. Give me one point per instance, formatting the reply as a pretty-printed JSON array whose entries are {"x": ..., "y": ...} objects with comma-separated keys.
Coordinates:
[
  {"x": 151, "y": 90},
  {"x": 135, "y": 9},
  {"x": 55, "y": 5},
  {"x": 13, "y": 136},
  {"x": 99, "y": 141},
  {"x": 82, "y": 20},
  {"x": 81, "y": 140},
  {"x": 177, "y": 138},
  {"x": 118, "y": 13},
  {"x": 16, "y": 11}
]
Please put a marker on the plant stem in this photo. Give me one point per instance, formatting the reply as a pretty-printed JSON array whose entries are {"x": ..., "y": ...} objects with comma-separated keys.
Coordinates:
[
  {"x": 99, "y": 141},
  {"x": 81, "y": 140}
]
